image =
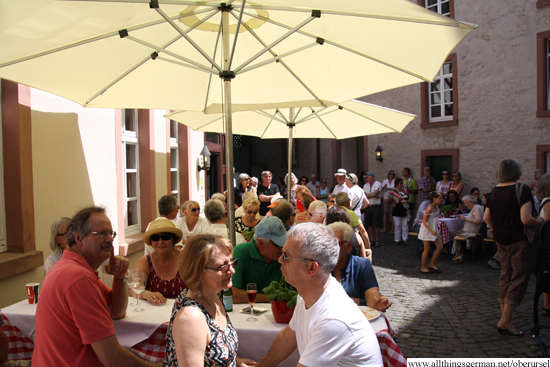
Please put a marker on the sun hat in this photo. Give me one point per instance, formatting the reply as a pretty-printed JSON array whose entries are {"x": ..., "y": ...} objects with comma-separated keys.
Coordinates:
[
  {"x": 341, "y": 172},
  {"x": 162, "y": 225},
  {"x": 271, "y": 227}
]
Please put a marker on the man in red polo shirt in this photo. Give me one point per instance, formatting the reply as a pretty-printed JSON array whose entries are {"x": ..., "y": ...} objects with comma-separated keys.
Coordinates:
[{"x": 74, "y": 324}]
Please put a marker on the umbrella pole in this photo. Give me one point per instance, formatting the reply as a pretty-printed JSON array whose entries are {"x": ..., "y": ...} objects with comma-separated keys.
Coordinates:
[
  {"x": 228, "y": 129},
  {"x": 290, "y": 127}
]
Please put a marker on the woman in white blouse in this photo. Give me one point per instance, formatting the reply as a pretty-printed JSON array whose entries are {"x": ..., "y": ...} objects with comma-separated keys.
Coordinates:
[
  {"x": 387, "y": 185},
  {"x": 190, "y": 223}
]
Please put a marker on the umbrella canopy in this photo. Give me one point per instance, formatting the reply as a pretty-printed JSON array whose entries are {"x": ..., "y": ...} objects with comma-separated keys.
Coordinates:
[
  {"x": 336, "y": 121},
  {"x": 168, "y": 54}
]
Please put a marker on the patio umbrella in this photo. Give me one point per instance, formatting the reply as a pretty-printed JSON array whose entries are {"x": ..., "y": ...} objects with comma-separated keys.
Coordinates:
[
  {"x": 335, "y": 121},
  {"x": 166, "y": 54}
]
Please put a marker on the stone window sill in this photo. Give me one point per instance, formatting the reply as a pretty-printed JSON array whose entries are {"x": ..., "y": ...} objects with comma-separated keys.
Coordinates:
[
  {"x": 12, "y": 263},
  {"x": 133, "y": 244}
]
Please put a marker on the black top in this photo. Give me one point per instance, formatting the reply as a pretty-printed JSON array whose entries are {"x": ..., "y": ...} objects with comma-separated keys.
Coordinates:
[
  {"x": 239, "y": 194},
  {"x": 505, "y": 213},
  {"x": 262, "y": 190}
]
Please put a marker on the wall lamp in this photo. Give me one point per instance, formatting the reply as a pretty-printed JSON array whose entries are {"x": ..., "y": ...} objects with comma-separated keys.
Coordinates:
[
  {"x": 379, "y": 151},
  {"x": 204, "y": 159}
]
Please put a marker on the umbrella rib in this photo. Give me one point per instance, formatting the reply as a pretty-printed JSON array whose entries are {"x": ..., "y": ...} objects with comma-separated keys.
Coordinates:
[
  {"x": 272, "y": 117},
  {"x": 236, "y": 36},
  {"x": 209, "y": 123},
  {"x": 278, "y": 57},
  {"x": 214, "y": 72},
  {"x": 276, "y": 42},
  {"x": 184, "y": 35},
  {"x": 251, "y": 31},
  {"x": 344, "y": 48},
  {"x": 328, "y": 128},
  {"x": 210, "y": 76},
  {"x": 368, "y": 118},
  {"x": 163, "y": 50}
]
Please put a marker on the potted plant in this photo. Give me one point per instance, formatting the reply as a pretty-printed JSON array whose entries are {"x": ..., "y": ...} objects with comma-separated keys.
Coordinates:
[
  {"x": 283, "y": 298},
  {"x": 447, "y": 209}
]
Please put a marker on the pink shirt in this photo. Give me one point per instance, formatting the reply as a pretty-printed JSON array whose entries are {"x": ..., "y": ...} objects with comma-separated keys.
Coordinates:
[{"x": 72, "y": 313}]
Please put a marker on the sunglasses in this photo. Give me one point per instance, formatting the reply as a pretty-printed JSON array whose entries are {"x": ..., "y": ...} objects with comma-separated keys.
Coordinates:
[
  {"x": 332, "y": 201},
  {"x": 251, "y": 212},
  {"x": 246, "y": 179},
  {"x": 196, "y": 209},
  {"x": 165, "y": 237},
  {"x": 303, "y": 180}
]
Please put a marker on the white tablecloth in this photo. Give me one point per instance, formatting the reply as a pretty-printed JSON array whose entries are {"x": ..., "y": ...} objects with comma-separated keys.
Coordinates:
[{"x": 454, "y": 224}]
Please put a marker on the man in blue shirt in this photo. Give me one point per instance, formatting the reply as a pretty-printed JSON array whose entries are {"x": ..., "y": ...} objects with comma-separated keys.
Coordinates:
[{"x": 356, "y": 273}]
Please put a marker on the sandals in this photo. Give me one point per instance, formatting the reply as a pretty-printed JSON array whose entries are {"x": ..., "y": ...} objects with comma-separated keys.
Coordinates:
[
  {"x": 426, "y": 272},
  {"x": 503, "y": 330},
  {"x": 434, "y": 270},
  {"x": 376, "y": 243}
]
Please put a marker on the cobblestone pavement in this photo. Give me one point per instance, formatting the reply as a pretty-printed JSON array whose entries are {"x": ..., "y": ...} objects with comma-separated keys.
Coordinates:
[{"x": 451, "y": 314}]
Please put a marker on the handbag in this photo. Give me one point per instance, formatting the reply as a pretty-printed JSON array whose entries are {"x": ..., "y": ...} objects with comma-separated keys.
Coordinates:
[{"x": 529, "y": 232}]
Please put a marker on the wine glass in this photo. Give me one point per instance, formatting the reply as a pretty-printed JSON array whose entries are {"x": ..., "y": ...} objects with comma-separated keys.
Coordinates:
[
  {"x": 137, "y": 283},
  {"x": 128, "y": 272},
  {"x": 251, "y": 292}
]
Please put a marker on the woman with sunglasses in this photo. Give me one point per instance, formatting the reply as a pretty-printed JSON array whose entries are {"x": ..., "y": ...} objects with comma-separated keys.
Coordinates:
[
  {"x": 190, "y": 222},
  {"x": 245, "y": 224},
  {"x": 200, "y": 332},
  {"x": 57, "y": 242},
  {"x": 162, "y": 278},
  {"x": 457, "y": 184},
  {"x": 243, "y": 185},
  {"x": 445, "y": 184}
]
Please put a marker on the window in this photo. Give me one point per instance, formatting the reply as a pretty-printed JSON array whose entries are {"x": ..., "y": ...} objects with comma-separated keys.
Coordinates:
[
  {"x": 443, "y": 7},
  {"x": 542, "y": 3},
  {"x": 439, "y": 99},
  {"x": 543, "y": 74},
  {"x": 174, "y": 160},
  {"x": 543, "y": 158},
  {"x": 130, "y": 159},
  {"x": 3, "y": 243}
]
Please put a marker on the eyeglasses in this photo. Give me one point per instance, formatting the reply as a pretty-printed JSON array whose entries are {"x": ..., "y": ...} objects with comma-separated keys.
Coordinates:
[
  {"x": 165, "y": 237},
  {"x": 61, "y": 234},
  {"x": 196, "y": 209},
  {"x": 251, "y": 212},
  {"x": 295, "y": 258},
  {"x": 225, "y": 268},
  {"x": 312, "y": 215},
  {"x": 103, "y": 234}
]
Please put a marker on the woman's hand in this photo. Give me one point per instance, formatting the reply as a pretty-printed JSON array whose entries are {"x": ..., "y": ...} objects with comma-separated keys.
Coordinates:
[
  {"x": 244, "y": 362},
  {"x": 154, "y": 297}
]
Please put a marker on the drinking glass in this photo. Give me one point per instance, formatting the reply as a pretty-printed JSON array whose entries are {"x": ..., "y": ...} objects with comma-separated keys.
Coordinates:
[
  {"x": 251, "y": 292},
  {"x": 128, "y": 272},
  {"x": 137, "y": 283}
]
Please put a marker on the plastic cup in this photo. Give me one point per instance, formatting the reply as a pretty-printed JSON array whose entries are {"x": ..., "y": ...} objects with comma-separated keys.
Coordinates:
[{"x": 32, "y": 292}]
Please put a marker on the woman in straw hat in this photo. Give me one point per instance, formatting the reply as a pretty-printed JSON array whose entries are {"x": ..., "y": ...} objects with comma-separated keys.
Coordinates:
[
  {"x": 200, "y": 330},
  {"x": 161, "y": 266}
]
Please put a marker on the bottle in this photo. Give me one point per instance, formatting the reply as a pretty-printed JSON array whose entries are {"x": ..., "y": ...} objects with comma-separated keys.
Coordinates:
[{"x": 228, "y": 299}]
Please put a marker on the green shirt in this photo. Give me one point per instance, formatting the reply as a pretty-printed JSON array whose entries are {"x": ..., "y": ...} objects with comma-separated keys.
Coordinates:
[
  {"x": 252, "y": 268},
  {"x": 411, "y": 185},
  {"x": 355, "y": 221}
]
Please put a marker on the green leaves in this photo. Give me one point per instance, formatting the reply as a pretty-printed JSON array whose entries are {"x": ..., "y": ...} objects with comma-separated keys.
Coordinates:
[{"x": 281, "y": 291}]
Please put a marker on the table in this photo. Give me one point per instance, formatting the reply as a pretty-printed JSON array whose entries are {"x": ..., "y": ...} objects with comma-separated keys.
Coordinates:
[
  {"x": 447, "y": 227},
  {"x": 144, "y": 333}
]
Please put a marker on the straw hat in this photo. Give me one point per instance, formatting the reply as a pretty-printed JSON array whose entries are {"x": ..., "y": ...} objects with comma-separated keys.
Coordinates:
[{"x": 162, "y": 225}]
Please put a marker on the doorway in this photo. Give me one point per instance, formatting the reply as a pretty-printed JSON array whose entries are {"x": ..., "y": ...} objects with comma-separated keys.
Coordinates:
[{"x": 212, "y": 176}]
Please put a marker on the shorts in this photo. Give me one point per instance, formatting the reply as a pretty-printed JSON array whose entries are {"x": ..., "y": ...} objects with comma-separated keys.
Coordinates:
[
  {"x": 387, "y": 206},
  {"x": 372, "y": 216}
]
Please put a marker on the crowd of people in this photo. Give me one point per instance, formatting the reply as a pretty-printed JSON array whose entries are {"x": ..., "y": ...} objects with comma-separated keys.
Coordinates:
[{"x": 318, "y": 238}]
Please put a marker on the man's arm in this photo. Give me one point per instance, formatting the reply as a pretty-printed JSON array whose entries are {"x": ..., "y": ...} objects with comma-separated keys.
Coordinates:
[
  {"x": 373, "y": 194},
  {"x": 283, "y": 346},
  {"x": 111, "y": 353},
  {"x": 239, "y": 296},
  {"x": 413, "y": 187},
  {"x": 376, "y": 300},
  {"x": 364, "y": 235}
]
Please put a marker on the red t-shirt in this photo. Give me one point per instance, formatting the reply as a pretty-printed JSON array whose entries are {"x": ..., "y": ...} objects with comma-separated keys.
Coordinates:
[{"x": 72, "y": 313}]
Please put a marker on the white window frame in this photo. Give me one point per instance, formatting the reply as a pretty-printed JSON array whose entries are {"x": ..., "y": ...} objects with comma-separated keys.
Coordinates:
[
  {"x": 437, "y": 6},
  {"x": 3, "y": 239},
  {"x": 174, "y": 158},
  {"x": 440, "y": 78},
  {"x": 130, "y": 137}
]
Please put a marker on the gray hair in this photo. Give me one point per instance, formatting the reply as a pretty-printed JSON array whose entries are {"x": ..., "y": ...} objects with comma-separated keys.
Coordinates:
[
  {"x": 317, "y": 242},
  {"x": 257, "y": 240},
  {"x": 56, "y": 226},
  {"x": 214, "y": 210},
  {"x": 81, "y": 223},
  {"x": 254, "y": 180},
  {"x": 292, "y": 177},
  {"x": 265, "y": 173},
  {"x": 344, "y": 228},
  {"x": 167, "y": 203},
  {"x": 319, "y": 207},
  {"x": 218, "y": 196},
  {"x": 242, "y": 177},
  {"x": 352, "y": 178},
  {"x": 508, "y": 170},
  {"x": 342, "y": 198},
  {"x": 469, "y": 198},
  {"x": 543, "y": 186}
]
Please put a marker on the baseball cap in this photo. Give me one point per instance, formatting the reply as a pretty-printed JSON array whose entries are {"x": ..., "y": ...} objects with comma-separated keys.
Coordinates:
[{"x": 271, "y": 227}]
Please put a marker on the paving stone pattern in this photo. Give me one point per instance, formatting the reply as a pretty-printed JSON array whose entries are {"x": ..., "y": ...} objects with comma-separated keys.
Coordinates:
[{"x": 451, "y": 314}]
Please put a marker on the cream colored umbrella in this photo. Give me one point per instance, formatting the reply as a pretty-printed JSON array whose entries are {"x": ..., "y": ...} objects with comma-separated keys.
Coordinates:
[
  {"x": 335, "y": 121},
  {"x": 169, "y": 54}
]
